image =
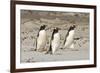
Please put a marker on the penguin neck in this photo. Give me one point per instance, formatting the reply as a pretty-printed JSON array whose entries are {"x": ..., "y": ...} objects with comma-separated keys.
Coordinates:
[
  {"x": 56, "y": 35},
  {"x": 42, "y": 32},
  {"x": 41, "y": 29}
]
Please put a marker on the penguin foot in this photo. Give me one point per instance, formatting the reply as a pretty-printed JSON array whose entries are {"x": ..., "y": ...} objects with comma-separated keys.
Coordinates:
[
  {"x": 48, "y": 52},
  {"x": 62, "y": 48},
  {"x": 34, "y": 50}
]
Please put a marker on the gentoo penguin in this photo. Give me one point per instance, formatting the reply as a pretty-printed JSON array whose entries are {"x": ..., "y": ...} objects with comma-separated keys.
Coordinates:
[
  {"x": 55, "y": 41},
  {"x": 69, "y": 38},
  {"x": 41, "y": 39}
]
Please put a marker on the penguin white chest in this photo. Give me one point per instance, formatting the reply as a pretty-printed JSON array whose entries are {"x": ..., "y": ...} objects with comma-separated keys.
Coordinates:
[
  {"x": 41, "y": 41},
  {"x": 69, "y": 39},
  {"x": 55, "y": 42}
]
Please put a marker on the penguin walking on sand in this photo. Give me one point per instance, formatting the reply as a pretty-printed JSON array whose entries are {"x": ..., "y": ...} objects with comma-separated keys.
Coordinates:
[
  {"x": 69, "y": 38},
  {"x": 55, "y": 41},
  {"x": 41, "y": 39}
]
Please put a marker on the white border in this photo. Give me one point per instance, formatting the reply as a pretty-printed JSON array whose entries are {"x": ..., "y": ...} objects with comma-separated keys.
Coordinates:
[{"x": 52, "y": 64}]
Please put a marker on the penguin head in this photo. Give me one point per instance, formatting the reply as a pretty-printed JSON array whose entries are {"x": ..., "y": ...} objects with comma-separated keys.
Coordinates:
[
  {"x": 72, "y": 27},
  {"x": 56, "y": 30},
  {"x": 43, "y": 27}
]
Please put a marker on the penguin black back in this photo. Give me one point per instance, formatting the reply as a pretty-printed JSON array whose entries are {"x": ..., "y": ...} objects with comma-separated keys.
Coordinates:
[{"x": 54, "y": 32}]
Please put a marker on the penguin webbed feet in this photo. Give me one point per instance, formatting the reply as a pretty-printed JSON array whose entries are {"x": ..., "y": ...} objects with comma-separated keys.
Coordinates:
[
  {"x": 35, "y": 50},
  {"x": 62, "y": 48},
  {"x": 48, "y": 52}
]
